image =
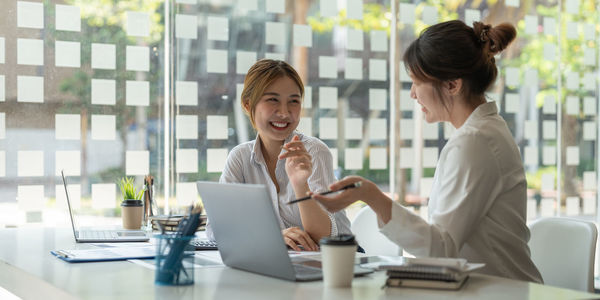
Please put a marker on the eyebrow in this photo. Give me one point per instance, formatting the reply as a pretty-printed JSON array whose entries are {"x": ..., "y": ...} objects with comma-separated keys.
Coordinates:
[{"x": 276, "y": 94}]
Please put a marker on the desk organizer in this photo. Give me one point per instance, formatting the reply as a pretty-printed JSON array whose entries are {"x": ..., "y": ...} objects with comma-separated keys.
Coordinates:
[{"x": 174, "y": 260}]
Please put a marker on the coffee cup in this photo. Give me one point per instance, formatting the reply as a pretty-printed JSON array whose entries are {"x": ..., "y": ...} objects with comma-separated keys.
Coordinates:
[
  {"x": 132, "y": 211},
  {"x": 337, "y": 255}
]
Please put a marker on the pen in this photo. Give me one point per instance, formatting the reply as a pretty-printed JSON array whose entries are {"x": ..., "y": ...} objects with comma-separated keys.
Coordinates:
[{"x": 352, "y": 185}]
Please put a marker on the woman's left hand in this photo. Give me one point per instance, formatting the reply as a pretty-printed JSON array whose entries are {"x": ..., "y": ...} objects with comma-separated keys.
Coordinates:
[{"x": 298, "y": 164}]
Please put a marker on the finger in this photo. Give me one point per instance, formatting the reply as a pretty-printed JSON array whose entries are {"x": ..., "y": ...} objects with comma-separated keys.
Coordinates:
[
  {"x": 294, "y": 153},
  {"x": 305, "y": 240},
  {"x": 291, "y": 244},
  {"x": 344, "y": 182}
]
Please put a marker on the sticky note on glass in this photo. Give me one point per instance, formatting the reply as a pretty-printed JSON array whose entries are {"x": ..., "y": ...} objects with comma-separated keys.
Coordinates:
[
  {"x": 137, "y": 58},
  {"x": 589, "y": 56},
  {"x": 589, "y": 205},
  {"x": 275, "y": 6},
  {"x": 430, "y": 131},
  {"x": 218, "y": 28},
  {"x": 511, "y": 102},
  {"x": 407, "y": 13},
  {"x": 355, "y": 39},
  {"x": 472, "y": 15},
  {"x": 67, "y": 54},
  {"x": 104, "y": 91},
  {"x": 531, "y": 129},
  {"x": 68, "y": 18},
  {"x": 104, "y": 195},
  {"x": 407, "y": 159},
  {"x": 549, "y": 106},
  {"x": 572, "y": 30},
  {"x": 30, "y": 163},
  {"x": 404, "y": 77},
  {"x": 512, "y": 77},
  {"x": 531, "y": 24},
  {"x": 216, "y": 61},
  {"x": 589, "y": 31},
  {"x": 589, "y": 180},
  {"x": 589, "y": 81},
  {"x": 572, "y": 6},
  {"x": 547, "y": 182},
  {"x": 137, "y": 93},
  {"x": 30, "y": 197},
  {"x": 531, "y": 77},
  {"x": 276, "y": 56},
  {"x": 550, "y": 52},
  {"x": 430, "y": 157},
  {"x": 186, "y": 26},
  {"x": 307, "y": 103},
  {"x": 217, "y": 128},
  {"x": 186, "y": 161},
  {"x": 550, "y": 26},
  {"x": 531, "y": 155},
  {"x": 572, "y": 80},
  {"x": 215, "y": 159},
  {"x": 30, "y": 52},
  {"x": 186, "y": 93},
  {"x": 67, "y": 126},
  {"x": 378, "y": 129},
  {"x": 138, "y": 24},
  {"x": 572, "y": 156},
  {"x": 186, "y": 127},
  {"x": 305, "y": 126},
  {"x": 407, "y": 129},
  {"x": 377, "y": 99},
  {"x": 589, "y": 106},
  {"x": 104, "y": 127},
  {"x": 589, "y": 131},
  {"x": 379, "y": 40},
  {"x": 103, "y": 56},
  {"x": 30, "y": 89},
  {"x": 247, "y": 5},
  {"x": 547, "y": 207},
  {"x": 69, "y": 161},
  {"x": 378, "y": 69},
  {"x": 353, "y": 128},
  {"x": 353, "y": 159},
  {"x": 137, "y": 162},
  {"x": 186, "y": 193},
  {"x": 531, "y": 209},
  {"x": 302, "y": 35},
  {"x": 377, "y": 158},
  {"x": 30, "y": 14},
  {"x": 328, "y": 129},
  {"x": 328, "y": 8},
  {"x": 2, "y": 126},
  {"x": 74, "y": 195},
  {"x": 572, "y": 105},
  {"x": 354, "y": 68},
  {"x": 512, "y": 3},
  {"x": 572, "y": 206},
  {"x": 430, "y": 15},
  {"x": 2, "y": 89},
  {"x": 549, "y": 130},
  {"x": 328, "y": 97},
  {"x": 327, "y": 67},
  {"x": 244, "y": 60},
  {"x": 275, "y": 33}
]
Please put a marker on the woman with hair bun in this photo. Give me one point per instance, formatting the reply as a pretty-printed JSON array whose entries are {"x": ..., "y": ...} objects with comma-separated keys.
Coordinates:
[{"x": 477, "y": 204}]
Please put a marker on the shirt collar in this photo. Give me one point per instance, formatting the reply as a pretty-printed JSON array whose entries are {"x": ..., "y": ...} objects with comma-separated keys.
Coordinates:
[
  {"x": 256, "y": 154},
  {"x": 483, "y": 110}
]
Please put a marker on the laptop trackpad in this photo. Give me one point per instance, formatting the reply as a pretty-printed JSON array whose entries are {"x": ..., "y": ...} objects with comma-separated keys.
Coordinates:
[{"x": 131, "y": 233}]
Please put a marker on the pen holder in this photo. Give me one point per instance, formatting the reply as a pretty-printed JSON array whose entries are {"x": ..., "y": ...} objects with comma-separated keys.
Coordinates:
[{"x": 174, "y": 260}]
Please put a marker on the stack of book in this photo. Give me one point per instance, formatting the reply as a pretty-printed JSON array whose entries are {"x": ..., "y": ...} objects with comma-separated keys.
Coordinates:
[{"x": 170, "y": 223}]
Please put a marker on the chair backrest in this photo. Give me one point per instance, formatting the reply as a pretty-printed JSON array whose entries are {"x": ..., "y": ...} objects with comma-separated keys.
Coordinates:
[
  {"x": 563, "y": 250},
  {"x": 365, "y": 228}
]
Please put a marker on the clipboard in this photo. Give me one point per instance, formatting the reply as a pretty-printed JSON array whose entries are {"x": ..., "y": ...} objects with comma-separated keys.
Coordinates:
[{"x": 105, "y": 254}]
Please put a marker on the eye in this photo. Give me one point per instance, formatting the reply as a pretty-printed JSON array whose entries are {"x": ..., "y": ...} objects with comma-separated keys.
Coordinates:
[
  {"x": 272, "y": 99},
  {"x": 295, "y": 101}
]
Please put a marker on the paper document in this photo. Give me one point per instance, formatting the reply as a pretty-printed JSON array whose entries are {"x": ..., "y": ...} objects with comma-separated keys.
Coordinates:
[{"x": 105, "y": 254}]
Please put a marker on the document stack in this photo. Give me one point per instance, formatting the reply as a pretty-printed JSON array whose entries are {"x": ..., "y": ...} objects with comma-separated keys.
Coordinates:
[{"x": 170, "y": 223}]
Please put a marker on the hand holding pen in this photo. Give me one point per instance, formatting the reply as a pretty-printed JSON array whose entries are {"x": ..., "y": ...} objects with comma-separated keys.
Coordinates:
[
  {"x": 349, "y": 186},
  {"x": 365, "y": 191}
]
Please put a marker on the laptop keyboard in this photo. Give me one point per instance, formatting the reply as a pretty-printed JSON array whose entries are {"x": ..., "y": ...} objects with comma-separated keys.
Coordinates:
[
  {"x": 202, "y": 244},
  {"x": 96, "y": 234}
]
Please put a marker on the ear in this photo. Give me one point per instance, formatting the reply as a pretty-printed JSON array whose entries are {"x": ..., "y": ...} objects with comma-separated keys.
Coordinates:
[
  {"x": 246, "y": 105},
  {"x": 454, "y": 86}
]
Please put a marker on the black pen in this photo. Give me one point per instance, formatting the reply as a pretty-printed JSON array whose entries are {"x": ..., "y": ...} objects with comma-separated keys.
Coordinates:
[{"x": 352, "y": 185}]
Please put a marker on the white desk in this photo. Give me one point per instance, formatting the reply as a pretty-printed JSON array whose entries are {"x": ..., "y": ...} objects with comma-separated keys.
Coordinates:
[{"x": 28, "y": 270}]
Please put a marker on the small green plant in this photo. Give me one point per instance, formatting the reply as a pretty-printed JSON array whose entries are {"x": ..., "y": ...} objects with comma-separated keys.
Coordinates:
[{"x": 128, "y": 190}]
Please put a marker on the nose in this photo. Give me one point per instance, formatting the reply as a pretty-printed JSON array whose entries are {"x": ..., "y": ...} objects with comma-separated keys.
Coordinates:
[
  {"x": 413, "y": 93},
  {"x": 283, "y": 110}
]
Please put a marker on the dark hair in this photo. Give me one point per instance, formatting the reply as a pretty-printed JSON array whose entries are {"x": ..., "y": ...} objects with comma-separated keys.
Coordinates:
[{"x": 453, "y": 50}]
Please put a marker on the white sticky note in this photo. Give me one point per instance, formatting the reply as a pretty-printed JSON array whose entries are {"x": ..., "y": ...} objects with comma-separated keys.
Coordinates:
[
  {"x": 74, "y": 196},
  {"x": 275, "y": 6},
  {"x": 531, "y": 129},
  {"x": 335, "y": 158},
  {"x": 547, "y": 182},
  {"x": 186, "y": 193},
  {"x": 430, "y": 157},
  {"x": 327, "y": 67},
  {"x": 354, "y": 9},
  {"x": 378, "y": 158},
  {"x": 512, "y": 3},
  {"x": 186, "y": 93},
  {"x": 137, "y": 162},
  {"x": 217, "y": 127},
  {"x": 68, "y": 126},
  {"x": 30, "y": 197},
  {"x": 103, "y": 56},
  {"x": 589, "y": 131},
  {"x": 430, "y": 131},
  {"x": 216, "y": 61},
  {"x": 137, "y": 93},
  {"x": 186, "y": 161},
  {"x": 379, "y": 40},
  {"x": 218, "y": 28},
  {"x": 407, "y": 129},
  {"x": 355, "y": 40},
  {"x": 104, "y": 91},
  {"x": 572, "y": 105},
  {"x": 137, "y": 58},
  {"x": 549, "y": 155},
  {"x": 67, "y": 54},
  {"x": 429, "y": 15},
  {"x": 353, "y": 128},
  {"x": 589, "y": 31},
  {"x": 572, "y": 30},
  {"x": 328, "y": 128},
  {"x": 275, "y": 33},
  {"x": 572, "y": 156},
  {"x": 275, "y": 56},
  {"x": 589, "y": 56},
  {"x": 215, "y": 159},
  {"x": 403, "y": 74},
  {"x": 186, "y": 26},
  {"x": 68, "y": 18},
  {"x": 589, "y": 180},
  {"x": 549, "y": 104},
  {"x": 407, "y": 159},
  {"x": 531, "y": 24},
  {"x": 2, "y": 50},
  {"x": 2, "y": 89},
  {"x": 246, "y": 5},
  {"x": 69, "y": 162},
  {"x": 186, "y": 127},
  {"x": 407, "y": 13},
  {"x": 30, "y": 89},
  {"x": 589, "y": 81},
  {"x": 572, "y": 80},
  {"x": 549, "y": 130},
  {"x": 305, "y": 126},
  {"x": 531, "y": 77},
  {"x": 307, "y": 102},
  {"x": 354, "y": 68},
  {"x": 244, "y": 60},
  {"x": 589, "y": 206},
  {"x": 378, "y": 69},
  {"x": 328, "y": 8},
  {"x": 547, "y": 207},
  {"x": 511, "y": 102},
  {"x": 302, "y": 35},
  {"x": 550, "y": 52},
  {"x": 104, "y": 127},
  {"x": 512, "y": 77},
  {"x": 572, "y": 6},
  {"x": 30, "y": 163},
  {"x": 328, "y": 97},
  {"x": 378, "y": 129},
  {"x": 104, "y": 195},
  {"x": 138, "y": 23},
  {"x": 2, "y": 126},
  {"x": 531, "y": 209},
  {"x": 30, "y": 52},
  {"x": 472, "y": 15},
  {"x": 377, "y": 99},
  {"x": 30, "y": 14},
  {"x": 531, "y": 156},
  {"x": 426, "y": 185},
  {"x": 353, "y": 159},
  {"x": 572, "y": 206},
  {"x": 550, "y": 26}
]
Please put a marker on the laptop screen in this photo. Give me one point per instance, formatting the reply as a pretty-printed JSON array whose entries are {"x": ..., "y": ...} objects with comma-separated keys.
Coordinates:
[{"x": 62, "y": 172}]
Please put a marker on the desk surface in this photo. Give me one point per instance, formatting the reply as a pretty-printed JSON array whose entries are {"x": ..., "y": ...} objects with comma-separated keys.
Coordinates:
[{"x": 26, "y": 262}]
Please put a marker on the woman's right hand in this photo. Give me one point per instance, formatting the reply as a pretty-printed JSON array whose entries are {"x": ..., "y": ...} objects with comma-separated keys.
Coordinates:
[
  {"x": 295, "y": 236},
  {"x": 365, "y": 192}
]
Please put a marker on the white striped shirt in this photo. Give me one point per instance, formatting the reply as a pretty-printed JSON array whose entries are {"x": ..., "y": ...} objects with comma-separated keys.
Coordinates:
[{"x": 246, "y": 164}]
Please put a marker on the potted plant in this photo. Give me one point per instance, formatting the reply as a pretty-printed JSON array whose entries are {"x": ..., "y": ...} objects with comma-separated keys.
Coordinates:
[{"x": 132, "y": 206}]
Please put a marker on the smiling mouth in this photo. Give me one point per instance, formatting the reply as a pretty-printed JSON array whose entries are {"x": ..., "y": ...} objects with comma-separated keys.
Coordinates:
[{"x": 279, "y": 125}]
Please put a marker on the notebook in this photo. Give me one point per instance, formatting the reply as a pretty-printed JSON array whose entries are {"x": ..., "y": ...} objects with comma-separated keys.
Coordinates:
[
  {"x": 247, "y": 231},
  {"x": 97, "y": 235}
]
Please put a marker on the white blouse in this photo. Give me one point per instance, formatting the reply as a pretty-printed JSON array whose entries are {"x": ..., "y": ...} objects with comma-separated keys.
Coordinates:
[{"x": 477, "y": 205}]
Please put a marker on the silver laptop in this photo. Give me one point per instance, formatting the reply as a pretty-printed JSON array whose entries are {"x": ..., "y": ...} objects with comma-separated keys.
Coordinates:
[
  {"x": 247, "y": 231},
  {"x": 102, "y": 236}
]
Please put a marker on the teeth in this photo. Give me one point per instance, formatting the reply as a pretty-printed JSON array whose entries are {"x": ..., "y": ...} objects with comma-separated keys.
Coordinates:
[{"x": 277, "y": 124}]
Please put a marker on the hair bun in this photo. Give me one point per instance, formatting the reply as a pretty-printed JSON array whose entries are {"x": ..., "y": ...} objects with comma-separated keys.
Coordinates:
[{"x": 496, "y": 38}]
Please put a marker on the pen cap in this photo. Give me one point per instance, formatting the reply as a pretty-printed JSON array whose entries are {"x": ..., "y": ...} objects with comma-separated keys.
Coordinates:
[{"x": 338, "y": 240}]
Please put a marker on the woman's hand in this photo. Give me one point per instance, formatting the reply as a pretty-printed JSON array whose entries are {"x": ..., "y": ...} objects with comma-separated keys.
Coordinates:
[
  {"x": 295, "y": 236},
  {"x": 298, "y": 164},
  {"x": 365, "y": 192}
]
